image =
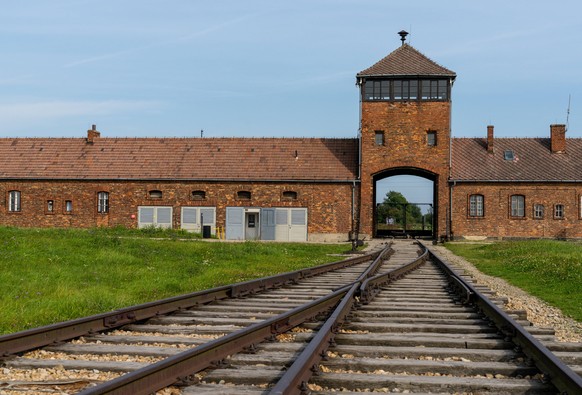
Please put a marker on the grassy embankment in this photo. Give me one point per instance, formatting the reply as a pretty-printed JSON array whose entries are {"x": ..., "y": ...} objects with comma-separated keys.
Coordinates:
[
  {"x": 52, "y": 275},
  {"x": 548, "y": 269}
]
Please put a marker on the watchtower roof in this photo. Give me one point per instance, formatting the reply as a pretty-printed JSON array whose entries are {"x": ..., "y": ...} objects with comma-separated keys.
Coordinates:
[{"x": 406, "y": 61}]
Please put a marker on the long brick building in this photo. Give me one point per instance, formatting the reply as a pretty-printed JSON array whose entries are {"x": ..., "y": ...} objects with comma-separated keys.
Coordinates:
[{"x": 292, "y": 189}]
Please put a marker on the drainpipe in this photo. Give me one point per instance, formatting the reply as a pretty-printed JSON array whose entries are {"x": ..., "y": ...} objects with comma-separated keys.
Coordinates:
[{"x": 450, "y": 213}]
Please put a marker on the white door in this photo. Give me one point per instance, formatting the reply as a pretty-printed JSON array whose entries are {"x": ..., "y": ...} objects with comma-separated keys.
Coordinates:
[
  {"x": 191, "y": 217},
  {"x": 291, "y": 224},
  {"x": 298, "y": 224}
]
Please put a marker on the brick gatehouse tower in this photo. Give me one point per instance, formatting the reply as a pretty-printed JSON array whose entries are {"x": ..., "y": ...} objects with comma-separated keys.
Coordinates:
[{"x": 405, "y": 129}]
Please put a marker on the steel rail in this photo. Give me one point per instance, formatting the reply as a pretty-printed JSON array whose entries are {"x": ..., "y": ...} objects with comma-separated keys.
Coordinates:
[
  {"x": 185, "y": 365},
  {"x": 371, "y": 286},
  {"x": 554, "y": 370},
  {"x": 49, "y": 334},
  {"x": 295, "y": 379}
]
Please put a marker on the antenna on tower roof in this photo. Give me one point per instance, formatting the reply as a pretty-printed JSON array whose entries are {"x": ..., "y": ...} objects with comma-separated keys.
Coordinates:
[
  {"x": 403, "y": 34},
  {"x": 568, "y": 113}
]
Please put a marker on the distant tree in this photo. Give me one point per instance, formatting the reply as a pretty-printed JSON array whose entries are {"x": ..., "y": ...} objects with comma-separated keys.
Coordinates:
[{"x": 393, "y": 208}]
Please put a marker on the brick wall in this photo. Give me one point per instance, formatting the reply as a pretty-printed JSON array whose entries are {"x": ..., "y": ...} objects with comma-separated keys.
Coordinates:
[
  {"x": 497, "y": 221},
  {"x": 328, "y": 204},
  {"x": 405, "y": 126}
]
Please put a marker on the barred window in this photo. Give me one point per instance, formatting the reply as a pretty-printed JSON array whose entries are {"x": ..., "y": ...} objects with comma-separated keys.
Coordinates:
[{"x": 476, "y": 205}]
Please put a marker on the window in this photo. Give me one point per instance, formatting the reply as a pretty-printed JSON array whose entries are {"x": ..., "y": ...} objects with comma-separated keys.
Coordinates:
[
  {"x": 431, "y": 138},
  {"x": 198, "y": 195},
  {"x": 508, "y": 155},
  {"x": 476, "y": 205},
  {"x": 539, "y": 211},
  {"x": 14, "y": 201},
  {"x": 290, "y": 195},
  {"x": 68, "y": 206},
  {"x": 244, "y": 195},
  {"x": 155, "y": 194},
  {"x": 377, "y": 90},
  {"x": 434, "y": 90},
  {"x": 103, "y": 202},
  {"x": 50, "y": 206},
  {"x": 559, "y": 211},
  {"x": 518, "y": 206},
  {"x": 379, "y": 137},
  {"x": 406, "y": 89}
]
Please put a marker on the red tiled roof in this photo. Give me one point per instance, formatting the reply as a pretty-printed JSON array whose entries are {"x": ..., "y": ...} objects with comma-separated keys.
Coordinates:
[
  {"x": 180, "y": 158},
  {"x": 533, "y": 160},
  {"x": 406, "y": 61}
]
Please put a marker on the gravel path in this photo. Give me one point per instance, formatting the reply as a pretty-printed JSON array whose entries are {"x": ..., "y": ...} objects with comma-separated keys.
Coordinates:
[{"x": 538, "y": 312}]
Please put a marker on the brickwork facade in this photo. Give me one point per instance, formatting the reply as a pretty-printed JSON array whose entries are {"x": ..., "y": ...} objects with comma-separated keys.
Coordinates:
[
  {"x": 497, "y": 220},
  {"x": 406, "y": 150},
  {"x": 329, "y": 205}
]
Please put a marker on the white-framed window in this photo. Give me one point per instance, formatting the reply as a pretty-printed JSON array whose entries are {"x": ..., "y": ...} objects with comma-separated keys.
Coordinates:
[
  {"x": 476, "y": 206},
  {"x": 539, "y": 210},
  {"x": 559, "y": 211},
  {"x": 102, "y": 202},
  {"x": 517, "y": 206},
  {"x": 14, "y": 201}
]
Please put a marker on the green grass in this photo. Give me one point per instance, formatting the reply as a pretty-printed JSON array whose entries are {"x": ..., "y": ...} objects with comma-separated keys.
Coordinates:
[
  {"x": 548, "y": 269},
  {"x": 52, "y": 275}
]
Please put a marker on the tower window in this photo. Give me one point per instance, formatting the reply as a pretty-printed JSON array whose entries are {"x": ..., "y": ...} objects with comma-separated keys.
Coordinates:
[
  {"x": 379, "y": 137},
  {"x": 431, "y": 138},
  {"x": 405, "y": 89}
]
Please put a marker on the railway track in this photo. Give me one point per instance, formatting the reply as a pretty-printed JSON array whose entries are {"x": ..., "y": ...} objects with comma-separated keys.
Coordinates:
[{"x": 370, "y": 324}]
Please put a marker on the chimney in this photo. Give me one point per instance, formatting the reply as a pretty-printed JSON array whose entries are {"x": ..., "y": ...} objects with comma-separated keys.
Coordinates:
[
  {"x": 490, "y": 139},
  {"x": 558, "y": 138},
  {"x": 92, "y": 134}
]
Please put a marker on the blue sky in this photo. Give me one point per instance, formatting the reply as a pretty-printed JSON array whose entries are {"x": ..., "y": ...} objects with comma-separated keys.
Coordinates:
[{"x": 273, "y": 68}]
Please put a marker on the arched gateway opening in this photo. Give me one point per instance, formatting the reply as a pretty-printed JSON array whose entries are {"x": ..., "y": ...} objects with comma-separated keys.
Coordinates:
[{"x": 405, "y": 203}]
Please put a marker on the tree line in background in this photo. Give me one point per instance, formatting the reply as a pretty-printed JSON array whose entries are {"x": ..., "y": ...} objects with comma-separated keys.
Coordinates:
[{"x": 395, "y": 212}]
